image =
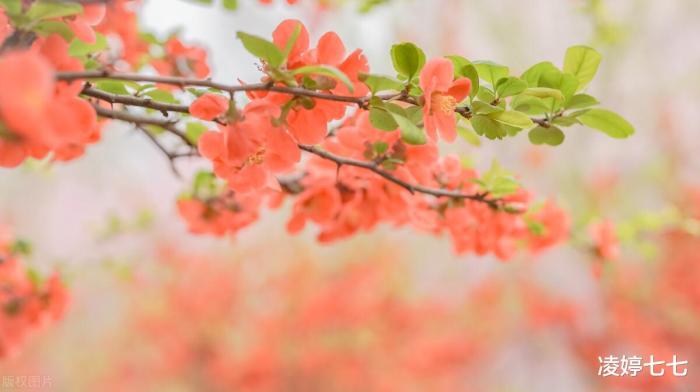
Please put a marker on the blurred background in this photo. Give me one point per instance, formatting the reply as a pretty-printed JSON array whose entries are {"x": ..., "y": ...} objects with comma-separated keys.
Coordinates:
[{"x": 154, "y": 308}]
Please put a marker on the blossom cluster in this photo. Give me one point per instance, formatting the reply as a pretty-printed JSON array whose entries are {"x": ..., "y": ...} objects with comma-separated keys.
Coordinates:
[
  {"x": 254, "y": 146},
  {"x": 26, "y": 305},
  {"x": 350, "y": 149},
  {"x": 38, "y": 115}
]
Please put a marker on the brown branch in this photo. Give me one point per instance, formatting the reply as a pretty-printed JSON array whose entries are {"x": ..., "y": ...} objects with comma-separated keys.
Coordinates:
[
  {"x": 171, "y": 156},
  {"x": 413, "y": 188},
  {"x": 183, "y": 82},
  {"x": 131, "y": 100},
  {"x": 140, "y": 121},
  {"x": 133, "y": 118},
  {"x": 166, "y": 124},
  {"x": 19, "y": 39},
  {"x": 541, "y": 122}
]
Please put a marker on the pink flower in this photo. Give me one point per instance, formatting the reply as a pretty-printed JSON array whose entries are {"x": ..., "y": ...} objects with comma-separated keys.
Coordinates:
[
  {"x": 209, "y": 106},
  {"x": 442, "y": 94},
  {"x": 82, "y": 24}
]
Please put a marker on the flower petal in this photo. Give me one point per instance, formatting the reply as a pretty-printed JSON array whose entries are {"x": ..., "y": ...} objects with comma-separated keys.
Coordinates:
[
  {"x": 460, "y": 89},
  {"x": 437, "y": 74}
]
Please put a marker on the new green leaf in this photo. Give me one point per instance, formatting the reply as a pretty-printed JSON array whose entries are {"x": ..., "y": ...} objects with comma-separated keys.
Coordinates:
[
  {"x": 325, "y": 70},
  {"x": 262, "y": 48},
  {"x": 377, "y": 83},
  {"x": 410, "y": 133},
  {"x": 48, "y": 10},
  {"x": 552, "y": 136},
  {"x": 582, "y": 62},
  {"x": 612, "y": 124},
  {"x": 510, "y": 86},
  {"x": 408, "y": 59},
  {"x": 512, "y": 118},
  {"x": 491, "y": 72}
]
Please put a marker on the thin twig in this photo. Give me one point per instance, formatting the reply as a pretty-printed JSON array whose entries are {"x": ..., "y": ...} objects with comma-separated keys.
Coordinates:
[
  {"x": 412, "y": 188},
  {"x": 131, "y": 100},
  {"x": 166, "y": 124},
  {"x": 171, "y": 157},
  {"x": 182, "y": 82},
  {"x": 140, "y": 121},
  {"x": 362, "y": 102}
]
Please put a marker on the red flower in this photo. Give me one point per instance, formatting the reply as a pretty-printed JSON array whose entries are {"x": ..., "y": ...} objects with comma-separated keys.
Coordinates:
[
  {"x": 209, "y": 106},
  {"x": 442, "y": 94}
]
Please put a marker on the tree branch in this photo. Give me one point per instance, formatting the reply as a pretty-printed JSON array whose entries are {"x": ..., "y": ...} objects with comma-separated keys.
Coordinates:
[
  {"x": 19, "y": 39},
  {"x": 413, "y": 188},
  {"x": 168, "y": 125},
  {"x": 140, "y": 121},
  {"x": 183, "y": 82},
  {"x": 131, "y": 100}
]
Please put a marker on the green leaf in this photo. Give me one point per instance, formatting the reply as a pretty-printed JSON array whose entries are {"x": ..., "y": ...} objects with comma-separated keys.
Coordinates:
[
  {"x": 377, "y": 83},
  {"x": 161, "y": 96},
  {"x": 582, "y": 62},
  {"x": 491, "y": 72},
  {"x": 465, "y": 68},
  {"x": 486, "y": 126},
  {"x": 204, "y": 181},
  {"x": 608, "y": 122},
  {"x": 80, "y": 48},
  {"x": 408, "y": 59},
  {"x": 112, "y": 86},
  {"x": 194, "y": 130},
  {"x": 262, "y": 48},
  {"x": 382, "y": 119},
  {"x": 231, "y": 5},
  {"x": 48, "y": 27},
  {"x": 380, "y": 148},
  {"x": 410, "y": 133},
  {"x": 469, "y": 135},
  {"x": 512, "y": 118},
  {"x": 325, "y": 70},
  {"x": 499, "y": 182},
  {"x": 12, "y": 7},
  {"x": 581, "y": 101},
  {"x": 533, "y": 74},
  {"x": 552, "y": 136},
  {"x": 413, "y": 113},
  {"x": 544, "y": 92},
  {"x": 510, "y": 86},
  {"x": 485, "y": 94},
  {"x": 292, "y": 41},
  {"x": 48, "y": 10},
  {"x": 479, "y": 107},
  {"x": 566, "y": 121},
  {"x": 531, "y": 105},
  {"x": 564, "y": 82}
]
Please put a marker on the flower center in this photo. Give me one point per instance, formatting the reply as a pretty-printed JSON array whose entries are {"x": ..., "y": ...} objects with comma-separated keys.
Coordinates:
[
  {"x": 257, "y": 158},
  {"x": 443, "y": 102}
]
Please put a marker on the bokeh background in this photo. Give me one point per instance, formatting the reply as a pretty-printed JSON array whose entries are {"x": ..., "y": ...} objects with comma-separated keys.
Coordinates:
[{"x": 154, "y": 308}]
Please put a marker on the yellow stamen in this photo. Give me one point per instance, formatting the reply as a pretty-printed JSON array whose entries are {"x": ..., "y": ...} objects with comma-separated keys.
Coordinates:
[{"x": 443, "y": 102}]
